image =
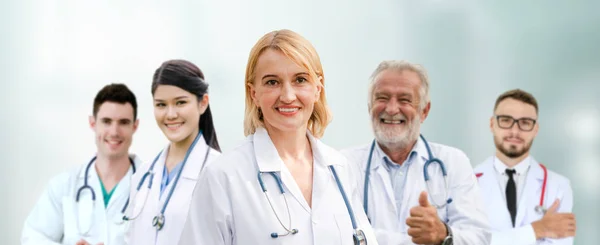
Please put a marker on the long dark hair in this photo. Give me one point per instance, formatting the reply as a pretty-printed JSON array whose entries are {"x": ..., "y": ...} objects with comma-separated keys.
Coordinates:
[{"x": 187, "y": 76}]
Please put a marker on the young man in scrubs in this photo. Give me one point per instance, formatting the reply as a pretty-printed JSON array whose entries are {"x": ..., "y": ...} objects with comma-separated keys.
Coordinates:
[
  {"x": 66, "y": 213},
  {"x": 512, "y": 181}
]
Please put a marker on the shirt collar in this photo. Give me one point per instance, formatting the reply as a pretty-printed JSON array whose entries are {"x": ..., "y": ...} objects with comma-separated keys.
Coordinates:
[
  {"x": 132, "y": 157},
  {"x": 268, "y": 160},
  {"x": 521, "y": 167},
  {"x": 175, "y": 170},
  {"x": 385, "y": 160}
]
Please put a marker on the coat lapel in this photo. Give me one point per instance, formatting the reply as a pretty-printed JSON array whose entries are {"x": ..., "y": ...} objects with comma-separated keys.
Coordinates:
[
  {"x": 151, "y": 207},
  {"x": 94, "y": 181},
  {"x": 414, "y": 175},
  {"x": 92, "y": 210},
  {"x": 379, "y": 174},
  {"x": 414, "y": 178},
  {"x": 531, "y": 191},
  {"x": 323, "y": 180},
  {"x": 493, "y": 196},
  {"x": 196, "y": 161},
  {"x": 179, "y": 204},
  {"x": 268, "y": 160},
  {"x": 384, "y": 178},
  {"x": 122, "y": 188}
]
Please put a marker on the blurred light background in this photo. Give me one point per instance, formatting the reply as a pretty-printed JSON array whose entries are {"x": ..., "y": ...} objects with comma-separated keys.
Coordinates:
[{"x": 56, "y": 54}]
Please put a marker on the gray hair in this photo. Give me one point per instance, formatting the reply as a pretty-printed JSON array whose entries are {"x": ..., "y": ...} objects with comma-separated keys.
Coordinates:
[{"x": 401, "y": 65}]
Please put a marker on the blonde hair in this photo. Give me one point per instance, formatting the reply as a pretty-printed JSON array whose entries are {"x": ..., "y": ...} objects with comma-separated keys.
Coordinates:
[
  {"x": 301, "y": 51},
  {"x": 399, "y": 66}
]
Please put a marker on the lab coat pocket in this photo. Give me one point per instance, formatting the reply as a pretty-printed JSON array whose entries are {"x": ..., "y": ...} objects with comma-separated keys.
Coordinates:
[
  {"x": 121, "y": 226},
  {"x": 78, "y": 219},
  {"x": 440, "y": 198},
  {"x": 531, "y": 215},
  {"x": 120, "y": 232},
  {"x": 345, "y": 230},
  {"x": 137, "y": 202}
]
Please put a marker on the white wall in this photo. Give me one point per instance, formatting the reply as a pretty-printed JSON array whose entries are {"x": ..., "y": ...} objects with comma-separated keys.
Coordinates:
[{"x": 57, "y": 54}]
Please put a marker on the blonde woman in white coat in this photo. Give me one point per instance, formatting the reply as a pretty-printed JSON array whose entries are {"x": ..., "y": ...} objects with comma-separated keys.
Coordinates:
[{"x": 282, "y": 185}]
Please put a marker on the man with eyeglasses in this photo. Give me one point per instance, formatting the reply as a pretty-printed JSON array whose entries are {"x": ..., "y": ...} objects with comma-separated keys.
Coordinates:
[{"x": 525, "y": 202}]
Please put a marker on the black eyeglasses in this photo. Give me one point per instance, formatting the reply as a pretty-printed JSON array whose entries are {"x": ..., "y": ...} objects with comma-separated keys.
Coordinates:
[{"x": 507, "y": 122}]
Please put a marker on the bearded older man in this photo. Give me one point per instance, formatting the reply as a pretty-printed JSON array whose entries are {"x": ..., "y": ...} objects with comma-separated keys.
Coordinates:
[{"x": 402, "y": 206}]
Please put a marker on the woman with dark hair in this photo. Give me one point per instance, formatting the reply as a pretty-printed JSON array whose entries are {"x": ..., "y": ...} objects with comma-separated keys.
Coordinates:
[{"x": 162, "y": 189}]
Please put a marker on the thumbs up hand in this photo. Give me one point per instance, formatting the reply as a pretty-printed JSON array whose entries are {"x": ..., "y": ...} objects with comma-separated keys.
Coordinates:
[
  {"x": 423, "y": 201},
  {"x": 554, "y": 224},
  {"x": 554, "y": 206},
  {"x": 82, "y": 242},
  {"x": 424, "y": 225}
]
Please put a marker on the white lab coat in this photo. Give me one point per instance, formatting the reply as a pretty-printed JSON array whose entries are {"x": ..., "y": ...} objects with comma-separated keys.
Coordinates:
[
  {"x": 53, "y": 219},
  {"x": 141, "y": 231},
  {"x": 464, "y": 214},
  {"x": 229, "y": 206},
  {"x": 557, "y": 186}
]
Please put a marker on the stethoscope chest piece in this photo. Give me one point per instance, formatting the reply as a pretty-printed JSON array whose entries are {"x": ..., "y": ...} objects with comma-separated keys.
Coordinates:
[
  {"x": 158, "y": 221},
  {"x": 359, "y": 237},
  {"x": 292, "y": 231},
  {"x": 540, "y": 210}
]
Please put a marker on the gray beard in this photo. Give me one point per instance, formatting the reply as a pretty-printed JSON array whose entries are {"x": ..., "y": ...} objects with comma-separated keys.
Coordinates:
[{"x": 394, "y": 142}]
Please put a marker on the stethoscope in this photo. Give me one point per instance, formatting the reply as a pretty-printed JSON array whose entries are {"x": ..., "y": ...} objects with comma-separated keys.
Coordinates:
[
  {"x": 358, "y": 236},
  {"x": 431, "y": 160},
  {"x": 540, "y": 209},
  {"x": 87, "y": 186},
  {"x": 159, "y": 220}
]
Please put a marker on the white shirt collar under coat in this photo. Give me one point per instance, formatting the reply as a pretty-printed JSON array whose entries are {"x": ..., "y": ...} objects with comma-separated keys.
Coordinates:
[
  {"x": 520, "y": 167},
  {"x": 136, "y": 161},
  {"x": 378, "y": 155},
  {"x": 268, "y": 158}
]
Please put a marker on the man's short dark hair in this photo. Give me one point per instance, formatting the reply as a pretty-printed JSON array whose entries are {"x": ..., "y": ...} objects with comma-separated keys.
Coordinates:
[
  {"x": 520, "y": 95},
  {"x": 118, "y": 93}
]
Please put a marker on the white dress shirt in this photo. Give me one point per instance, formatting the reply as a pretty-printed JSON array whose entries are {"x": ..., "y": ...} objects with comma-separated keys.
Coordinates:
[{"x": 519, "y": 177}]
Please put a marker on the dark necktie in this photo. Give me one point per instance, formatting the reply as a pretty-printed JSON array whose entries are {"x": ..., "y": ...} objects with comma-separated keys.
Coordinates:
[{"x": 511, "y": 195}]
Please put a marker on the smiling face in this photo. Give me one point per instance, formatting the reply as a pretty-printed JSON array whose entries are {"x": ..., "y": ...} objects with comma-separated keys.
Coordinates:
[
  {"x": 114, "y": 126},
  {"x": 177, "y": 112},
  {"x": 284, "y": 92},
  {"x": 395, "y": 113}
]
